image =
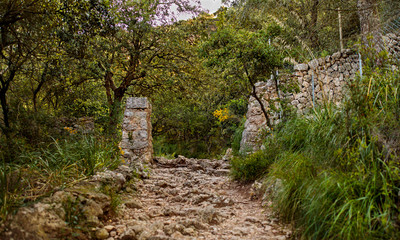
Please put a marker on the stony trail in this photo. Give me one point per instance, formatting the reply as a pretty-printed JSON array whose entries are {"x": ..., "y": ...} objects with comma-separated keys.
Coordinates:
[{"x": 192, "y": 199}]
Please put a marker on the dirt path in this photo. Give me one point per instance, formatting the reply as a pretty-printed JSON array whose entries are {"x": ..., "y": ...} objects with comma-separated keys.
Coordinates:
[{"x": 193, "y": 199}]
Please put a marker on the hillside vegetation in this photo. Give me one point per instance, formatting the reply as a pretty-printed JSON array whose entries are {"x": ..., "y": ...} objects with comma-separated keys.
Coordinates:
[{"x": 67, "y": 67}]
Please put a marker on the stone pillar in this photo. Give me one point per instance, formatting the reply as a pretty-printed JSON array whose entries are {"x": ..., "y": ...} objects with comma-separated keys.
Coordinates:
[
  {"x": 137, "y": 141},
  {"x": 255, "y": 123}
]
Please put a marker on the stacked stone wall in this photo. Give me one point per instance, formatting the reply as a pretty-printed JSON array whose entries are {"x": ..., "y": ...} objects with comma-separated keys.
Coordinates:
[
  {"x": 392, "y": 44},
  {"x": 136, "y": 131},
  {"x": 329, "y": 76},
  {"x": 321, "y": 80}
]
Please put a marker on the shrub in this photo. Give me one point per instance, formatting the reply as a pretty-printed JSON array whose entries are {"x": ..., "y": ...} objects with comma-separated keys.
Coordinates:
[{"x": 251, "y": 167}]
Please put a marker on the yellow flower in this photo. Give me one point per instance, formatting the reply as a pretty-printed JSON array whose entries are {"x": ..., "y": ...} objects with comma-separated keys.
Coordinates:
[
  {"x": 221, "y": 114},
  {"x": 70, "y": 130}
]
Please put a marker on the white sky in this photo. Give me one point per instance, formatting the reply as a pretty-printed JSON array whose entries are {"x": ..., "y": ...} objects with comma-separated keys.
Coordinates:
[{"x": 210, "y": 5}]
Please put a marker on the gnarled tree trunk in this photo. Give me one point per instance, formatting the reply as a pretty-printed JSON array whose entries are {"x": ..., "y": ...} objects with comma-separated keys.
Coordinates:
[{"x": 370, "y": 23}]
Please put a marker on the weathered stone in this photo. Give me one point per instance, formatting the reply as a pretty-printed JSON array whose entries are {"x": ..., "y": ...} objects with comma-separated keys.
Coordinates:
[
  {"x": 228, "y": 155},
  {"x": 109, "y": 228},
  {"x": 136, "y": 142},
  {"x": 302, "y": 100},
  {"x": 347, "y": 66},
  {"x": 137, "y": 103},
  {"x": 328, "y": 59},
  {"x": 336, "y": 55},
  {"x": 177, "y": 235},
  {"x": 337, "y": 82},
  {"x": 321, "y": 61},
  {"x": 313, "y": 64},
  {"x": 129, "y": 235},
  {"x": 102, "y": 233},
  {"x": 188, "y": 231},
  {"x": 222, "y": 172},
  {"x": 295, "y": 102},
  {"x": 301, "y": 67},
  {"x": 133, "y": 203},
  {"x": 306, "y": 84}
]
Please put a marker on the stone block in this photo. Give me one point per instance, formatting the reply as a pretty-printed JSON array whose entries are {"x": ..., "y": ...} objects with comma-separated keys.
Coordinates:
[
  {"x": 301, "y": 67},
  {"x": 355, "y": 66},
  {"x": 303, "y": 100},
  {"x": 336, "y": 55},
  {"x": 137, "y": 103},
  {"x": 347, "y": 66},
  {"x": 337, "y": 82},
  {"x": 313, "y": 64},
  {"x": 136, "y": 120},
  {"x": 295, "y": 102},
  {"x": 328, "y": 59}
]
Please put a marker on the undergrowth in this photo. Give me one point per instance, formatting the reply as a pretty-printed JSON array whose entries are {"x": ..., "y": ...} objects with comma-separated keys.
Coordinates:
[
  {"x": 339, "y": 166},
  {"x": 37, "y": 172}
]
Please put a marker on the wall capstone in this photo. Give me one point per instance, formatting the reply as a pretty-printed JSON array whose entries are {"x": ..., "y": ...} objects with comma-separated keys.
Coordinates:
[{"x": 137, "y": 141}]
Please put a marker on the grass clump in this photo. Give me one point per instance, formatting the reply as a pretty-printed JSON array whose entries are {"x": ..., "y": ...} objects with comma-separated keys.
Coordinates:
[
  {"x": 339, "y": 166},
  {"x": 253, "y": 166},
  {"x": 38, "y": 172}
]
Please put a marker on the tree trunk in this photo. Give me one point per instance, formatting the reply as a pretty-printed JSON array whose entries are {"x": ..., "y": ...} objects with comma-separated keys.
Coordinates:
[
  {"x": 5, "y": 84},
  {"x": 314, "y": 28},
  {"x": 6, "y": 129},
  {"x": 370, "y": 23},
  {"x": 4, "y": 107},
  {"x": 115, "y": 110},
  {"x": 43, "y": 79},
  {"x": 254, "y": 94},
  {"x": 268, "y": 121}
]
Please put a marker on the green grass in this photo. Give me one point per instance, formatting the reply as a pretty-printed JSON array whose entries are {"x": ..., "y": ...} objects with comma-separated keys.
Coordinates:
[{"x": 36, "y": 173}]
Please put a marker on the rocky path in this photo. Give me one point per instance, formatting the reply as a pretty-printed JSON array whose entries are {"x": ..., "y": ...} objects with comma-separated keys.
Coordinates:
[{"x": 192, "y": 199}]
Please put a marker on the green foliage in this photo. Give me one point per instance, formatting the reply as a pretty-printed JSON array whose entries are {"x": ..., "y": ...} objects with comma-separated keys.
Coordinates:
[
  {"x": 88, "y": 153},
  {"x": 242, "y": 53},
  {"x": 73, "y": 212},
  {"x": 115, "y": 198},
  {"x": 309, "y": 27},
  {"x": 237, "y": 137},
  {"x": 253, "y": 166}
]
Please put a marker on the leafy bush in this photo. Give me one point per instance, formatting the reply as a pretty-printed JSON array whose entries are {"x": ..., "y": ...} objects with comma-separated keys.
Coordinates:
[{"x": 253, "y": 166}]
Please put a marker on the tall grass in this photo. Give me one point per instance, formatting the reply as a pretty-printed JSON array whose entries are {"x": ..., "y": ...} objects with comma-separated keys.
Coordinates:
[
  {"x": 57, "y": 165},
  {"x": 339, "y": 166}
]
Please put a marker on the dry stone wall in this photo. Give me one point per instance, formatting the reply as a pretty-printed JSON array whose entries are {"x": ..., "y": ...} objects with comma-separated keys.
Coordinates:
[
  {"x": 137, "y": 140},
  {"x": 392, "y": 44},
  {"x": 320, "y": 80}
]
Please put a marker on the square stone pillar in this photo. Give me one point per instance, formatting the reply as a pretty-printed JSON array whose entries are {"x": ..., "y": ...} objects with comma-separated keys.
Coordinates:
[{"x": 137, "y": 141}]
